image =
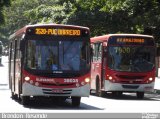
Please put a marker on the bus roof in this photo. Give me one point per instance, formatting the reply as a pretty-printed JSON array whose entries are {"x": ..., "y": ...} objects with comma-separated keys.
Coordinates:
[
  {"x": 23, "y": 30},
  {"x": 106, "y": 37}
]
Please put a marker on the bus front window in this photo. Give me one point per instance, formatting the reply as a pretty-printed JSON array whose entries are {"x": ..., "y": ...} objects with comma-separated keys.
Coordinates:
[
  {"x": 42, "y": 55},
  {"x": 64, "y": 55},
  {"x": 131, "y": 58}
]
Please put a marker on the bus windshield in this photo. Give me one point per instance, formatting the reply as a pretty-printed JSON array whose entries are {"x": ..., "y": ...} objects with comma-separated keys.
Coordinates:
[
  {"x": 57, "y": 55},
  {"x": 131, "y": 58}
]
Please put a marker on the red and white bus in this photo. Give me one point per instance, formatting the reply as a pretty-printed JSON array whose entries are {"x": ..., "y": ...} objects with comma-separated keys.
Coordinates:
[
  {"x": 123, "y": 63},
  {"x": 50, "y": 60}
]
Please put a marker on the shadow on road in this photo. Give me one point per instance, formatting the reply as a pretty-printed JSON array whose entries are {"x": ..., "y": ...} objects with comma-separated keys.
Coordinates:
[
  {"x": 1, "y": 65},
  {"x": 50, "y": 104},
  {"x": 132, "y": 96}
]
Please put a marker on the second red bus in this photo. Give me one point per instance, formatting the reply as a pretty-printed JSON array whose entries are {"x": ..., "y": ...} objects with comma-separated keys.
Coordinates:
[{"x": 123, "y": 63}]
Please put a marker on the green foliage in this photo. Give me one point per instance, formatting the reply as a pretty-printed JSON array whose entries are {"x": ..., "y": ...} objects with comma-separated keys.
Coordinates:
[
  {"x": 101, "y": 16},
  {"x": 117, "y": 16},
  {"x": 2, "y": 4}
]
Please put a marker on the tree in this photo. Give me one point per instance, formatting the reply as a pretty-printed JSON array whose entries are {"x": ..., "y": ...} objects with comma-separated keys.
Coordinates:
[
  {"x": 117, "y": 16},
  {"x": 101, "y": 16},
  {"x": 2, "y": 4},
  {"x": 24, "y": 12}
]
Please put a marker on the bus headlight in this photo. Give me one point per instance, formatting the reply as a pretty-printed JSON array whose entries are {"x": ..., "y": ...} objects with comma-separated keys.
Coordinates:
[
  {"x": 150, "y": 79},
  {"x": 27, "y": 78},
  {"x": 87, "y": 80},
  {"x": 110, "y": 78}
]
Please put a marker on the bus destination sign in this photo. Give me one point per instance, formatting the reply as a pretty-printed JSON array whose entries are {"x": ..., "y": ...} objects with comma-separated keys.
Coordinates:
[
  {"x": 60, "y": 32},
  {"x": 130, "y": 40}
]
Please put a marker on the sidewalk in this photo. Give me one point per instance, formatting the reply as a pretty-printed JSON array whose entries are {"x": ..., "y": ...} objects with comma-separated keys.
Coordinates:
[
  {"x": 4, "y": 71},
  {"x": 157, "y": 85}
]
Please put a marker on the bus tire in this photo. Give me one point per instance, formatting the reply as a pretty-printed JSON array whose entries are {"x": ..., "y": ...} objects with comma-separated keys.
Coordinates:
[
  {"x": 117, "y": 93},
  {"x": 25, "y": 100},
  {"x": 76, "y": 101},
  {"x": 97, "y": 87},
  {"x": 91, "y": 92},
  {"x": 13, "y": 96},
  {"x": 140, "y": 95},
  {"x": 102, "y": 93}
]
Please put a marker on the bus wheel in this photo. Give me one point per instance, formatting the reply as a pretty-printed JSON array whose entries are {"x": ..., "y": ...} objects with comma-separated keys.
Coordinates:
[
  {"x": 76, "y": 101},
  {"x": 117, "y": 93},
  {"x": 140, "y": 95},
  {"x": 13, "y": 96},
  {"x": 25, "y": 100},
  {"x": 102, "y": 93},
  {"x": 97, "y": 87},
  {"x": 91, "y": 92}
]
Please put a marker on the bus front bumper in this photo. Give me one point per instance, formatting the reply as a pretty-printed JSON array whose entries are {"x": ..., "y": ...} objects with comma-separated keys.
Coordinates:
[
  {"x": 109, "y": 86},
  {"x": 31, "y": 90}
]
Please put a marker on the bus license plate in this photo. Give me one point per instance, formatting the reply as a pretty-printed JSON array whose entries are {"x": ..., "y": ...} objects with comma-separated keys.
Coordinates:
[{"x": 57, "y": 90}]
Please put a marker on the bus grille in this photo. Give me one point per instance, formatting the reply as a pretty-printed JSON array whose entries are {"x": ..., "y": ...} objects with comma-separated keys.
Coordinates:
[
  {"x": 50, "y": 91},
  {"x": 130, "y": 86},
  {"x": 54, "y": 84},
  {"x": 130, "y": 79}
]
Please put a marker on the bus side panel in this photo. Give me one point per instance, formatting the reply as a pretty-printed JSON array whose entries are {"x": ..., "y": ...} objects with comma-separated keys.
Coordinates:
[
  {"x": 96, "y": 74},
  {"x": 17, "y": 76},
  {"x": 93, "y": 76}
]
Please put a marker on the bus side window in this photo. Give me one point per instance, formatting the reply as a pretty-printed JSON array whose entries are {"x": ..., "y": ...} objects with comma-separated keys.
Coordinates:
[
  {"x": 91, "y": 52},
  {"x": 94, "y": 53},
  {"x": 18, "y": 48},
  {"x": 99, "y": 54},
  {"x": 12, "y": 51}
]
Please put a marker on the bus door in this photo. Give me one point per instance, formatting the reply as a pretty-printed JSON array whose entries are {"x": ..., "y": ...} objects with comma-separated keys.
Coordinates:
[
  {"x": 104, "y": 61},
  {"x": 12, "y": 66},
  {"x": 18, "y": 66},
  {"x": 96, "y": 66}
]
